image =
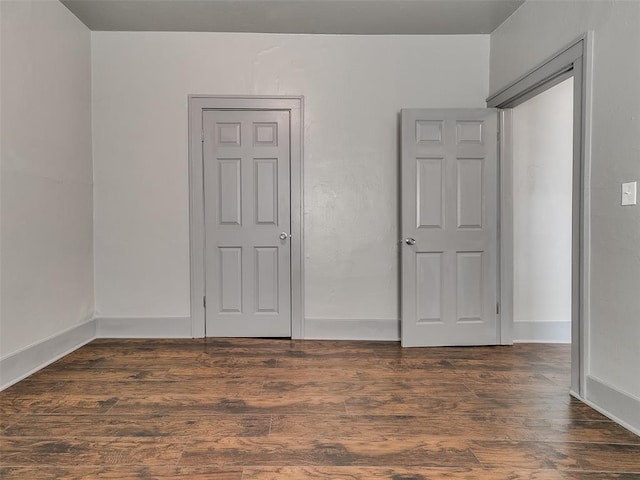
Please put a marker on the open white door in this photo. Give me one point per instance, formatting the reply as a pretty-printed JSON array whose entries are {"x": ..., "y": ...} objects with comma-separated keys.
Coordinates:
[{"x": 449, "y": 227}]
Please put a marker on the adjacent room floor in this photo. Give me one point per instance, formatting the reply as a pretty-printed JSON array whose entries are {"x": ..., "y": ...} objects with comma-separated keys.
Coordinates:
[{"x": 265, "y": 409}]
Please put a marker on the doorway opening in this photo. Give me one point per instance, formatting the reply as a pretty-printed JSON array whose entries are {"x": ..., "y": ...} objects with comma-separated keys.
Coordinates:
[{"x": 542, "y": 173}]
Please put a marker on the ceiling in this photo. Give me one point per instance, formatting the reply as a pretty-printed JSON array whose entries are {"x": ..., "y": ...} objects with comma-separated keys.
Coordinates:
[{"x": 358, "y": 17}]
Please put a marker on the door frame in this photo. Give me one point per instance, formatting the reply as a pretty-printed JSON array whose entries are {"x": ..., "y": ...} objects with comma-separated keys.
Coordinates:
[
  {"x": 575, "y": 60},
  {"x": 197, "y": 105}
]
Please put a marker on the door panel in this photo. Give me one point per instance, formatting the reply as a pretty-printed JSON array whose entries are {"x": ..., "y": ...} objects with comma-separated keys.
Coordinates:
[
  {"x": 469, "y": 296},
  {"x": 429, "y": 277},
  {"x": 229, "y": 188},
  {"x": 470, "y": 192},
  {"x": 247, "y": 208},
  {"x": 430, "y": 191},
  {"x": 266, "y": 276},
  {"x": 266, "y": 191},
  {"x": 449, "y": 217},
  {"x": 230, "y": 279}
]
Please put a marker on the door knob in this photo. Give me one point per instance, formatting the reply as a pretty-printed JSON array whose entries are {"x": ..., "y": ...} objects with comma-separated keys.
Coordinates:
[
  {"x": 284, "y": 236},
  {"x": 410, "y": 241}
]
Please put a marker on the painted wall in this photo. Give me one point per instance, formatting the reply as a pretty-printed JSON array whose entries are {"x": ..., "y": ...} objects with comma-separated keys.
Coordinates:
[
  {"x": 542, "y": 166},
  {"x": 354, "y": 88},
  {"x": 47, "y": 211},
  {"x": 518, "y": 45}
]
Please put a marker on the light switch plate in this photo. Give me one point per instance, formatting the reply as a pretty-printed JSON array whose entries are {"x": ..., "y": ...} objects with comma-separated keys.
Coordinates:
[{"x": 629, "y": 193}]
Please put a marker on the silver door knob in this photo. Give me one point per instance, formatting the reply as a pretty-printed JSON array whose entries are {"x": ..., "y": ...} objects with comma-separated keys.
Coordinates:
[
  {"x": 410, "y": 241},
  {"x": 284, "y": 236}
]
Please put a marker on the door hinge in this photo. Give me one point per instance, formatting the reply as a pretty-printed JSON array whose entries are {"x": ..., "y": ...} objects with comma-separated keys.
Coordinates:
[
  {"x": 202, "y": 136},
  {"x": 497, "y": 308},
  {"x": 204, "y": 302}
]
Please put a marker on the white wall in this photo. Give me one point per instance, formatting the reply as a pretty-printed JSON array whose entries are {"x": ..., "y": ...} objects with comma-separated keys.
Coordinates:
[
  {"x": 542, "y": 167},
  {"x": 534, "y": 32},
  {"x": 354, "y": 88},
  {"x": 47, "y": 211}
]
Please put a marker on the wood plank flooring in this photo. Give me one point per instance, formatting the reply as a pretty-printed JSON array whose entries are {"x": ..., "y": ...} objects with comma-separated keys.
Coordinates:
[{"x": 239, "y": 409}]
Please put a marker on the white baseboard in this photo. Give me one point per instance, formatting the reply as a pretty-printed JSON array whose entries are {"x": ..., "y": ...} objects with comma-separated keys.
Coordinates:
[
  {"x": 351, "y": 329},
  {"x": 143, "y": 327},
  {"x": 619, "y": 406},
  {"x": 21, "y": 364},
  {"x": 542, "y": 332}
]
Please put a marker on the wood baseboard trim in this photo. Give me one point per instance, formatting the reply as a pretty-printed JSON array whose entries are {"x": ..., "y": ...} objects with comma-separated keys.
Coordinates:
[
  {"x": 352, "y": 329},
  {"x": 19, "y": 365},
  {"x": 542, "y": 332},
  {"x": 619, "y": 406},
  {"x": 143, "y": 327}
]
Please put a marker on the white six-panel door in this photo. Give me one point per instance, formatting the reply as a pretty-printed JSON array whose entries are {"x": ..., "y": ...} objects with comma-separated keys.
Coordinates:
[
  {"x": 449, "y": 202},
  {"x": 247, "y": 223}
]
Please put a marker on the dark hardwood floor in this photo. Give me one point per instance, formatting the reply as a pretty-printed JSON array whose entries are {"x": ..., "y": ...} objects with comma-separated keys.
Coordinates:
[{"x": 277, "y": 409}]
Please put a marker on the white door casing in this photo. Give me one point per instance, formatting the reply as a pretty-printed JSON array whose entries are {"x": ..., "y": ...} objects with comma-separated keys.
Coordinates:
[
  {"x": 246, "y": 168},
  {"x": 576, "y": 59},
  {"x": 449, "y": 185}
]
